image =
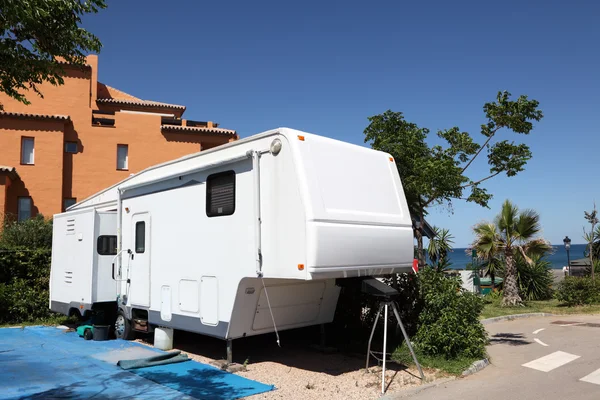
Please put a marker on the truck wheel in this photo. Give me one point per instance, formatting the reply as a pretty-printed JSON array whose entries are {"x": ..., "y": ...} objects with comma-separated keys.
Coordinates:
[
  {"x": 123, "y": 327},
  {"x": 88, "y": 335}
]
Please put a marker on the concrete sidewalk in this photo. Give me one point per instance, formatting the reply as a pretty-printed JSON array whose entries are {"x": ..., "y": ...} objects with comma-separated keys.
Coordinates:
[{"x": 554, "y": 357}]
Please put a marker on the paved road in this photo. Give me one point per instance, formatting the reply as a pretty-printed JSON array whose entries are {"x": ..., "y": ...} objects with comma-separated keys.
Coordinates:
[{"x": 538, "y": 358}]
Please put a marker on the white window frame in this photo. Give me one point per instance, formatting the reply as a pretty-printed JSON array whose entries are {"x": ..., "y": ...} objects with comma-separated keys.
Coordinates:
[
  {"x": 125, "y": 162},
  {"x": 22, "y": 214},
  {"x": 24, "y": 161}
]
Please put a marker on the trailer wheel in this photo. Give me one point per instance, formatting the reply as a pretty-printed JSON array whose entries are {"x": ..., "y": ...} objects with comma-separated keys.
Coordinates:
[
  {"x": 123, "y": 327},
  {"x": 88, "y": 335}
]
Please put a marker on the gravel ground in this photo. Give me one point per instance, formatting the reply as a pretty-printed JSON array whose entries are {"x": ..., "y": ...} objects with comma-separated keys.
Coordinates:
[{"x": 300, "y": 372}]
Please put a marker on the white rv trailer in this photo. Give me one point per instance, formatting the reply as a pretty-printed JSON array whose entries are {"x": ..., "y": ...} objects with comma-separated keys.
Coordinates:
[{"x": 234, "y": 241}]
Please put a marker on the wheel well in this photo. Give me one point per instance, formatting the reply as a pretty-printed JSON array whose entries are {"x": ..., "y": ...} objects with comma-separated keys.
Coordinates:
[{"x": 74, "y": 312}]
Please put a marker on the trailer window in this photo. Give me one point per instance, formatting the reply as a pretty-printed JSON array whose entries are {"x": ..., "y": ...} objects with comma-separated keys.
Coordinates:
[
  {"x": 220, "y": 194},
  {"x": 107, "y": 245},
  {"x": 140, "y": 237}
]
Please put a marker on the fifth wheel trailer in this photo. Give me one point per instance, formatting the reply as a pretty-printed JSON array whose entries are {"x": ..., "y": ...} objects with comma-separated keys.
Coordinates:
[{"x": 234, "y": 241}]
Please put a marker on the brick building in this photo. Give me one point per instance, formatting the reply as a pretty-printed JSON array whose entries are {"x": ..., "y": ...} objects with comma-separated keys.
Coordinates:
[{"x": 84, "y": 136}]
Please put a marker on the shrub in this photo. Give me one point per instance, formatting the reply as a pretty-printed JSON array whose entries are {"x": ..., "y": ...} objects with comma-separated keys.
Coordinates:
[
  {"x": 575, "y": 291},
  {"x": 25, "y": 254},
  {"x": 535, "y": 280},
  {"x": 33, "y": 233},
  {"x": 449, "y": 323}
]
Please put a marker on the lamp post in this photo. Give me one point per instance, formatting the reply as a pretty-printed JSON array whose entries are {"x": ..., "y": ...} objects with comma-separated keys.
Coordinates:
[{"x": 567, "y": 243}]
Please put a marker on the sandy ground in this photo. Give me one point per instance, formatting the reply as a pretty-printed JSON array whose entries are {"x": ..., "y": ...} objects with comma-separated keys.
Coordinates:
[{"x": 300, "y": 371}]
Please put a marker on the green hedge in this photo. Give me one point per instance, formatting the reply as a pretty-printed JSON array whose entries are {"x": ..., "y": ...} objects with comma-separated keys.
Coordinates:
[
  {"x": 578, "y": 291},
  {"x": 25, "y": 254}
]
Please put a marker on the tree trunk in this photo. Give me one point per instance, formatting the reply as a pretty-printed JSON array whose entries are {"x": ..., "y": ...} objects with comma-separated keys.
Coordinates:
[
  {"x": 493, "y": 278},
  {"x": 420, "y": 252},
  {"x": 592, "y": 249},
  {"x": 511, "y": 289}
]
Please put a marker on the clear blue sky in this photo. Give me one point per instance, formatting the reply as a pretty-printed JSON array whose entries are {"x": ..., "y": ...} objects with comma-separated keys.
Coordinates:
[{"x": 324, "y": 67}]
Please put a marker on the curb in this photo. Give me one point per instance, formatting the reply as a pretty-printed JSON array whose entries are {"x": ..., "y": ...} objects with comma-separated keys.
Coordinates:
[
  {"x": 514, "y": 316},
  {"x": 476, "y": 367},
  {"x": 415, "y": 390}
]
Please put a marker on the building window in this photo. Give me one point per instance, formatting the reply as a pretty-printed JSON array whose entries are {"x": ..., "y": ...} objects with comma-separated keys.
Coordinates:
[
  {"x": 140, "y": 237},
  {"x": 24, "y": 208},
  {"x": 220, "y": 194},
  {"x": 27, "y": 151},
  {"x": 122, "y": 157},
  {"x": 68, "y": 203},
  {"x": 71, "y": 147},
  {"x": 107, "y": 245}
]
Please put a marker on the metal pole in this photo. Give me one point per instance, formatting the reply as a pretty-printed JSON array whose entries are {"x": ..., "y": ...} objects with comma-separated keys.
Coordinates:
[
  {"x": 569, "y": 262},
  {"x": 229, "y": 351},
  {"x": 384, "y": 348},
  {"x": 371, "y": 337},
  {"x": 412, "y": 352}
]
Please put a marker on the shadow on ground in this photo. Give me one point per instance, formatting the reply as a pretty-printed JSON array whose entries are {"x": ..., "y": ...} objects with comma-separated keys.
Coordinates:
[
  {"x": 511, "y": 339},
  {"x": 298, "y": 349}
]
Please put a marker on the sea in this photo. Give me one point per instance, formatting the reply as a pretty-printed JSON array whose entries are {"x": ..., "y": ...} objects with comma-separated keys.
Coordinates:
[{"x": 461, "y": 257}]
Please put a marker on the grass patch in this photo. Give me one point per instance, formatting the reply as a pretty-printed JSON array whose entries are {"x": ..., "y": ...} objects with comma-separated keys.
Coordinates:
[
  {"x": 53, "y": 320},
  {"x": 453, "y": 366},
  {"x": 493, "y": 308}
]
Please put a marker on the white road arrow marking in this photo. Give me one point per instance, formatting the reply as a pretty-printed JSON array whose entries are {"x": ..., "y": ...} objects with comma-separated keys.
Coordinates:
[
  {"x": 538, "y": 331},
  {"x": 540, "y": 342}
]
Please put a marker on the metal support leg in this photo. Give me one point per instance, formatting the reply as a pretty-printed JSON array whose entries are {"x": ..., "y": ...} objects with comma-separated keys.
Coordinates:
[
  {"x": 412, "y": 352},
  {"x": 229, "y": 351},
  {"x": 385, "y": 321},
  {"x": 371, "y": 337}
]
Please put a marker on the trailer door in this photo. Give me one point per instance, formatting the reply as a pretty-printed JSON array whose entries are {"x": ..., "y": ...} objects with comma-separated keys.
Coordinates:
[{"x": 140, "y": 260}]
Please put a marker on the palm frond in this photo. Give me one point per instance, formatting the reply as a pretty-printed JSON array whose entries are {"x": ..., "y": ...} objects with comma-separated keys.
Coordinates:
[
  {"x": 527, "y": 225},
  {"x": 537, "y": 248},
  {"x": 507, "y": 218}
]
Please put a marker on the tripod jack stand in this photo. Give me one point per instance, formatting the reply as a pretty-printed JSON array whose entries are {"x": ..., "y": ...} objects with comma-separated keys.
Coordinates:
[{"x": 385, "y": 305}]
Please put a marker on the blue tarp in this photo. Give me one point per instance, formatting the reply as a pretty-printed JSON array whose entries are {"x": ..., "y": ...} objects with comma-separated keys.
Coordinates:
[{"x": 47, "y": 362}]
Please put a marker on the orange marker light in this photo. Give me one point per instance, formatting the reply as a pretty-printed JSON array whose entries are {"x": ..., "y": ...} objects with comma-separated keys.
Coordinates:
[
  {"x": 392, "y": 159},
  {"x": 301, "y": 138},
  {"x": 300, "y": 267}
]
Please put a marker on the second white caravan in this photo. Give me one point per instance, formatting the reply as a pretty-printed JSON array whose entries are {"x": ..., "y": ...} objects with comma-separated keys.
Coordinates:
[{"x": 236, "y": 240}]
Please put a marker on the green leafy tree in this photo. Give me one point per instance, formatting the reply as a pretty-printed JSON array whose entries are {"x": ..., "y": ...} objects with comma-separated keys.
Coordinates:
[
  {"x": 441, "y": 174},
  {"x": 591, "y": 237},
  {"x": 513, "y": 234},
  {"x": 33, "y": 34}
]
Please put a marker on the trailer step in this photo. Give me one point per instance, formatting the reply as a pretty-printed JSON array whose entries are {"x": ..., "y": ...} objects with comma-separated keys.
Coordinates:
[{"x": 140, "y": 325}]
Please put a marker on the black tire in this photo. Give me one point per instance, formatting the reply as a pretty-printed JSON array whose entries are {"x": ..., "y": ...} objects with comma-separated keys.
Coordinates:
[
  {"x": 123, "y": 329},
  {"x": 88, "y": 335}
]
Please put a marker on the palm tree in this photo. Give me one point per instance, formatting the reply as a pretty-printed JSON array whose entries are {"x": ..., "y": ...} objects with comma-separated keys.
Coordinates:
[
  {"x": 439, "y": 247},
  {"x": 512, "y": 232},
  {"x": 488, "y": 250}
]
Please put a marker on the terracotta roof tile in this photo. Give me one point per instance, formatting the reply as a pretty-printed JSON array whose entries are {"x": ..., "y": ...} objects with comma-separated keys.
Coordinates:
[
  {"x": 143, "y": 103},
  {"x": 34, "y": 116},
  {"x": 10, "y": 170},
  {"x": 197, "y": 129}
]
